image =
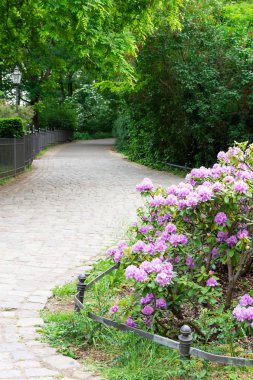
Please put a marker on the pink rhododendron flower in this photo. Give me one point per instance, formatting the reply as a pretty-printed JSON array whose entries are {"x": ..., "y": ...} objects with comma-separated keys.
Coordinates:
[
  {"x": 215, "y": 252},
  {"x": 113, "y": 309},
  {"x": 171, "y": 200},
  {"x": 178, "y": 239},
  {"x": 158, "y": 200},
  {"x": 145, "y": 185},
  {"x": 147, "y": 310},
  {"x": 130, "y": 322},
  {"x": 211, "y": 282},
  {"x": 149, "y": 248},
  {"x": 161, "y": 303},
  {"x": 231, "y": 241},
  {"x": 138, "y": 246},
  {"x": 246, "y": 300},
  {"x": 222, "y": 236},
  {"x": 147, "y": 299},
  {"x": 117, "y": 256},
  {"x": 171, "y": 228},
  {"x": 163, "y": 278},
  {"x": 241, "y": 234},
  {"x": 160, "y": 246},
  {"x": 147, "y": 266},
  {"x": 130, "y": 271},
  {"x": 221, "y": 219},
  {"x": 122, "y": 244},
  {"x": 189, "y": 262},
  {"x": 172, "y": 190},
  {"x": 204, "y": 193},
  {"x": 222, "y": 156},
  {"x": 240, "y": 187}
]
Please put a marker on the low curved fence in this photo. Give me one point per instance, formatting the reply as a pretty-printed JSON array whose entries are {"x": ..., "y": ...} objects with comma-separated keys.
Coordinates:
[
  {"x": 17, "y": 154},
  {"x": 183, "y": 345}
]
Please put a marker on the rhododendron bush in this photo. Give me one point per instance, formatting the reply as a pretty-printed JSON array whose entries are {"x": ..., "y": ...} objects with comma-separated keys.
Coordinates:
[{"x": 191, "y": 245}]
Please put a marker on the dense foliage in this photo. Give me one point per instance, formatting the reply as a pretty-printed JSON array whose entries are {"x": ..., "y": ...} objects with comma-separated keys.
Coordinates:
[
  {"x": 53, "y": 115},
  {"x": 191, "y": 247},
  {"x": 55, "y": 43},
  {"x": 12, "y": 127},
  {"x": 94, "y": 112},
  {"x": 194, "y": 87}
]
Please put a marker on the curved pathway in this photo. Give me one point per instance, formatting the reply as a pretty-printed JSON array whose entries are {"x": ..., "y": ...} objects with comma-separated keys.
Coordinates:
[{"x": 54, "y": 222}]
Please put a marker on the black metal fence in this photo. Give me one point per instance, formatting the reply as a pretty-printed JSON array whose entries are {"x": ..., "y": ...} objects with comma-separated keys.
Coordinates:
[
  {"x": 16, "y": 154},
  {"x": 183, "y": 345}
]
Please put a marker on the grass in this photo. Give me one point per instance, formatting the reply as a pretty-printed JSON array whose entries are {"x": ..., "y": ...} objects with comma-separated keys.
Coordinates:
[
  {"x": 120, "y": 355},
  {"x": 157, "y": 165},
  {"x": 8, "y": 180},
  {"x": 93, "y": 136},
  {"x": 44, "y": 150}
]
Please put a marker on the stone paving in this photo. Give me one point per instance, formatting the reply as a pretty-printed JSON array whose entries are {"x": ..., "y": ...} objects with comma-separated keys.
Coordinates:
[{"x": 54, "y": 222}]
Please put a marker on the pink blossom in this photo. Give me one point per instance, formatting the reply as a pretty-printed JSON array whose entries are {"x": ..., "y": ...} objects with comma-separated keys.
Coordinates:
[
  {"x": 161, "y": 303},
  {"x": 149, "y": 248},
  {"x": 122, "y": 244},
  {"x": 147, "y": 310},
  {"x": 222, "y": 156},
  {"x": 172, "y": 190},
  {"x": 246, "y": 300},
  {"x": 204, "y": 193},
  {"x": 145, "y": 185},
  {"x": 113, "y": 309},
  {"x": 189, "y": 262},
  {"x": 240, "y": 187},
  {"x": 231, "y": 241},
  {"x": 171, "y": 200},
  {"x": 130, "y": 322},
  {"x": 211, "y": 282},
  {"x": 163, "y": 278},
  {"x": 140, "y": 275},
  {"x": 130, "y": 271},
  {"x": 147, "y": 299},
  {"x": 221, "y": 219},
  {"x": 178, "y": 239},
  {"x": 222, "y": 236},
  {"x": 241, "y": 234},
  {"x": 158, "y": 200},
  {"x": 147, "y": 266},
  {"x": 160, "y": 246},
  {"x": 138, "y": 246},
  {"x": 117, "y": 256}
]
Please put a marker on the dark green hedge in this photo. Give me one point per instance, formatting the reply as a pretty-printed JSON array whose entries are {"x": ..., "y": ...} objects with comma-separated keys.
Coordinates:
[
  {"x": 194, "y": 95},
  {"x": 11, "y": 127}
]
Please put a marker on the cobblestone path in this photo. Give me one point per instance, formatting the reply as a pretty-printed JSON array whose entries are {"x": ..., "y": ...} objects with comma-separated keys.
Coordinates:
[{"x": 54, "y": 221}]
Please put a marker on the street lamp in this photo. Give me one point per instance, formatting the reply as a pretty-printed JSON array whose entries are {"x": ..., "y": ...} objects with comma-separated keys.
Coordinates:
[{"x": 16, "y": 78}]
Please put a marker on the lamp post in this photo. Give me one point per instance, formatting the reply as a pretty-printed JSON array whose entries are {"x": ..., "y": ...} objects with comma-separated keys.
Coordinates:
[{"x": 16, "y": 78}]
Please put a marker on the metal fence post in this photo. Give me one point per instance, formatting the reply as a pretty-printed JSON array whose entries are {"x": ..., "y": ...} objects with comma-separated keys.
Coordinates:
[
  {"x": 15, "y": 155},
  {"x": 185, "y": 341},
  {"x": 80, "y": 290}
]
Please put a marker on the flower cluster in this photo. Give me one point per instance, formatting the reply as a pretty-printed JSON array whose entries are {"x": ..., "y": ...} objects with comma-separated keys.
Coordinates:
[
  {"x": 162, "y": 271},
  {"x": 117, "y": 252},
  {"x": 244, "y": 310},
  {"x": 187, "y": 233}
]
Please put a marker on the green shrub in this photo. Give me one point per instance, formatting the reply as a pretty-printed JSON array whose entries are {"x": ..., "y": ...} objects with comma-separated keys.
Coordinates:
[
  {"x": 121, "y": 130},
  {"x": 56, "y": 116},
  {"x": 12, "y": 127},
  {"x": 7, "y": 110},
  {"x": 193, "y": 97}
]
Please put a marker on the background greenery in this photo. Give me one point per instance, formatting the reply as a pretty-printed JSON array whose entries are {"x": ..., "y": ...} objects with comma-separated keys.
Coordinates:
[
  {"x": 173, "y": 79},
  {"x": 194, "y": 93}
]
